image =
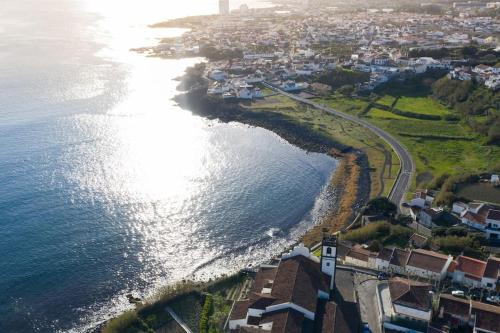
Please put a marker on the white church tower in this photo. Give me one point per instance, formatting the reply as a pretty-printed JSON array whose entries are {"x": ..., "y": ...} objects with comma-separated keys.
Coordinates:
[{"x": 329, "y": 257}]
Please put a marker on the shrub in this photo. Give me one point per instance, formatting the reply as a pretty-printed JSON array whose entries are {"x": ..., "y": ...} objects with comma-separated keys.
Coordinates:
[
  {"x": 375, "y": 246},
  {"x": 368, "y": 232},
  {"x": 128, "y": 322},
  {"x": 340, "y": 77},
  {"x": 205, "y": 313},
  {"x": 399, "y": 235},
  {"x": 381, "y": 206}
]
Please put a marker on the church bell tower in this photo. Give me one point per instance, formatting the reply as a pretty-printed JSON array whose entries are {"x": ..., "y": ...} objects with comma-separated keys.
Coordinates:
[{"x": 329, "y": 257}]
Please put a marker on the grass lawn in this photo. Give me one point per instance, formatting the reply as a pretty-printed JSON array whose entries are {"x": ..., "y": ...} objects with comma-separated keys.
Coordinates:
[
  {"x": 434, "y": 155},
  {"x": 422, "y": 105},
  {"x": 340, "y": 130},
  {"x": 344, "y": 104},
  {"x": 386, "y": 100},
  {"x": 437, "y": 146},
  {"x": 378, "y": 113}
]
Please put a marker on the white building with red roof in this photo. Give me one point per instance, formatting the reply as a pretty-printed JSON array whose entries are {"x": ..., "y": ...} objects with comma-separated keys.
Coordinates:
[{"x": 469, "y": 271}]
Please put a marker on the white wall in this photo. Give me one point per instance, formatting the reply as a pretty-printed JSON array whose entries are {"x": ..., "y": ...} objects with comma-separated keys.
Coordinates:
[
  {"x": 486, "y": 280},
  {"x": 423, "y": 273},
  {"x": 381, "y": 264},
  {"x": 419, "y": 202},
  {"x": 233, "y": 324},
  {"x": 414, "y": 313},
  {"x": 255, "y": 312},
  {"x": 323, "y": 295},
  {"x": 308, "y": 314},
  {"x": 396, "y": 269},
  {"x": 356, "y": 262},
  {"x": 425, "y": 219}
]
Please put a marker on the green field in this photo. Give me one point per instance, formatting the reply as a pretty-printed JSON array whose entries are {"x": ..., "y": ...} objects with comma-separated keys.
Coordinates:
[
  {"x": 383, "y": 164},
  {"x": 441, "y": 147},
  {"x": 422, "y": 105},
  {"x": 480, "y": 191},
  {"x": 386, "y": 100},
  {"x": 437, "y": 146},
  {"x": 344, "y": 104},
  {"x": 382, "y": 114}
]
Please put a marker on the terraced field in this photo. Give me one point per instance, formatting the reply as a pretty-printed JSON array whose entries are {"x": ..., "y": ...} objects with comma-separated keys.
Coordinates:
[
  {"x": 422, "y": 105},
  {"x": 384, "y": 165}
]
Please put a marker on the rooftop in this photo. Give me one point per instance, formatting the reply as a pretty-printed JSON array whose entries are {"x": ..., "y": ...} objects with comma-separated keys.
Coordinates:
[{"x": 410, "y": 293}]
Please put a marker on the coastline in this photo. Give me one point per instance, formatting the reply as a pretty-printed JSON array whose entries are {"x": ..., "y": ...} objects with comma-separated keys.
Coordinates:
[
  {"x": 347, "y": 190},
  {"x": 349, "y": 185}
]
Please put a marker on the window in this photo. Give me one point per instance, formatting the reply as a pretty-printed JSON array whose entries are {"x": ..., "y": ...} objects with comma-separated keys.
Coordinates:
[
  {"x": 328, "y": 250},
  {"x": 328, "y": 264},
  {"x": 489, "y": 285}
]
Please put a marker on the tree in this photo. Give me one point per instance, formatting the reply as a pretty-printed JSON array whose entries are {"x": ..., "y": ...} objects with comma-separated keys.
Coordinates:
[
  {"x": 381, "y": 206},
  {"x": 347, "y": 89},
  {"x": 340, "y": 77}
]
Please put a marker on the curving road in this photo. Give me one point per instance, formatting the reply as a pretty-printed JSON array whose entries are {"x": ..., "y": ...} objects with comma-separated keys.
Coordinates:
[{"x": 407, "y": 167}]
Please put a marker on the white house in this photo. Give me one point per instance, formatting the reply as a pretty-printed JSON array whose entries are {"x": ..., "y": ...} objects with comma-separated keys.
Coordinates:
[
  {"x": 397, "y": 264},
  {"x": 426, "y": 216},
  {"x": 428, "y": 264},
  {"x": 484, "y": 218},
  {"x": 358, "y": 256},
  {"x": 411, "y": 300},
  {"x": 421, "y": 199},
  {"x": 383, "y": 259},
  {"x": 218, "y": 75},
  {"x": 475, "y": 216},
  {"x": 459, "y": 207},
  {"x": 491, "y": 274},
  {"x": 493, "y": 224},
  {"x": 469, "y": 271},
  {"x": 480, "y": 317},
  {"x": 244, "y": 93}
]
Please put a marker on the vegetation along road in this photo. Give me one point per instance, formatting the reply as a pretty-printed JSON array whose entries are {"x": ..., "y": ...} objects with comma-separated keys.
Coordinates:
[{"x": 407, "y": 169}]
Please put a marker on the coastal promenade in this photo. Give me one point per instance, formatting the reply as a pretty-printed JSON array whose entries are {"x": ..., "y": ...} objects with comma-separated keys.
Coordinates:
[{"x": 407, "y": 167}]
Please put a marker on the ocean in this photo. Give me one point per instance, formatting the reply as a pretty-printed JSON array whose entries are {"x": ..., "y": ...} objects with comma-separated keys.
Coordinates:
[{"x": 107, "y": 186}]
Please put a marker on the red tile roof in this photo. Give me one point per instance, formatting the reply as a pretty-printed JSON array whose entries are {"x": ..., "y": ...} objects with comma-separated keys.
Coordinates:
[
  {"x": 399, "y": 257},
  {"x": 385, "y": 254},
  {"x": 472, "y": 268},
  {"x": 240, "y": 309},
  {"x": 428, "y": 260},
  {"x": 357, "y": 252},
  {"x": 284, "y": 321},
  {"x": 410, "y": 293},
  {"x": 487, "y": 316},
  {"x": 455, "y": 306},
  {"x": 494, "y": 214},
  {"x": 492, "y": 268},
  {"x": 298, "y": 280},
  {"x": 264, "y": 276}
]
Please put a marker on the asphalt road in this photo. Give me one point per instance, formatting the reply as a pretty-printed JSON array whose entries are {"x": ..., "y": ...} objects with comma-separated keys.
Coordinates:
[
  {"x": 407, "y": 165},
  {"x": 366, "y": 288}
]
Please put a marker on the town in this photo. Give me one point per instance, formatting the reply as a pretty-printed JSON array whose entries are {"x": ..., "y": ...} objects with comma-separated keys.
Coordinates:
[{"x": 291, "y": 45}]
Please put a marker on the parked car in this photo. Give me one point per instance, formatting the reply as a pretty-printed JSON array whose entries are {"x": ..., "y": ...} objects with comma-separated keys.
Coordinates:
[
  {"x": 493, "y": 299},
  {"x": 458, "y": 293},
  {"x": 382, "y": 276},
  {"x": 366, "y": 328}
]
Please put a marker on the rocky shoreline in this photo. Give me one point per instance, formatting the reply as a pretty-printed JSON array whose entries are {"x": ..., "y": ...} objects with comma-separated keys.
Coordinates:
[{"x": 349, "y": 187}]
